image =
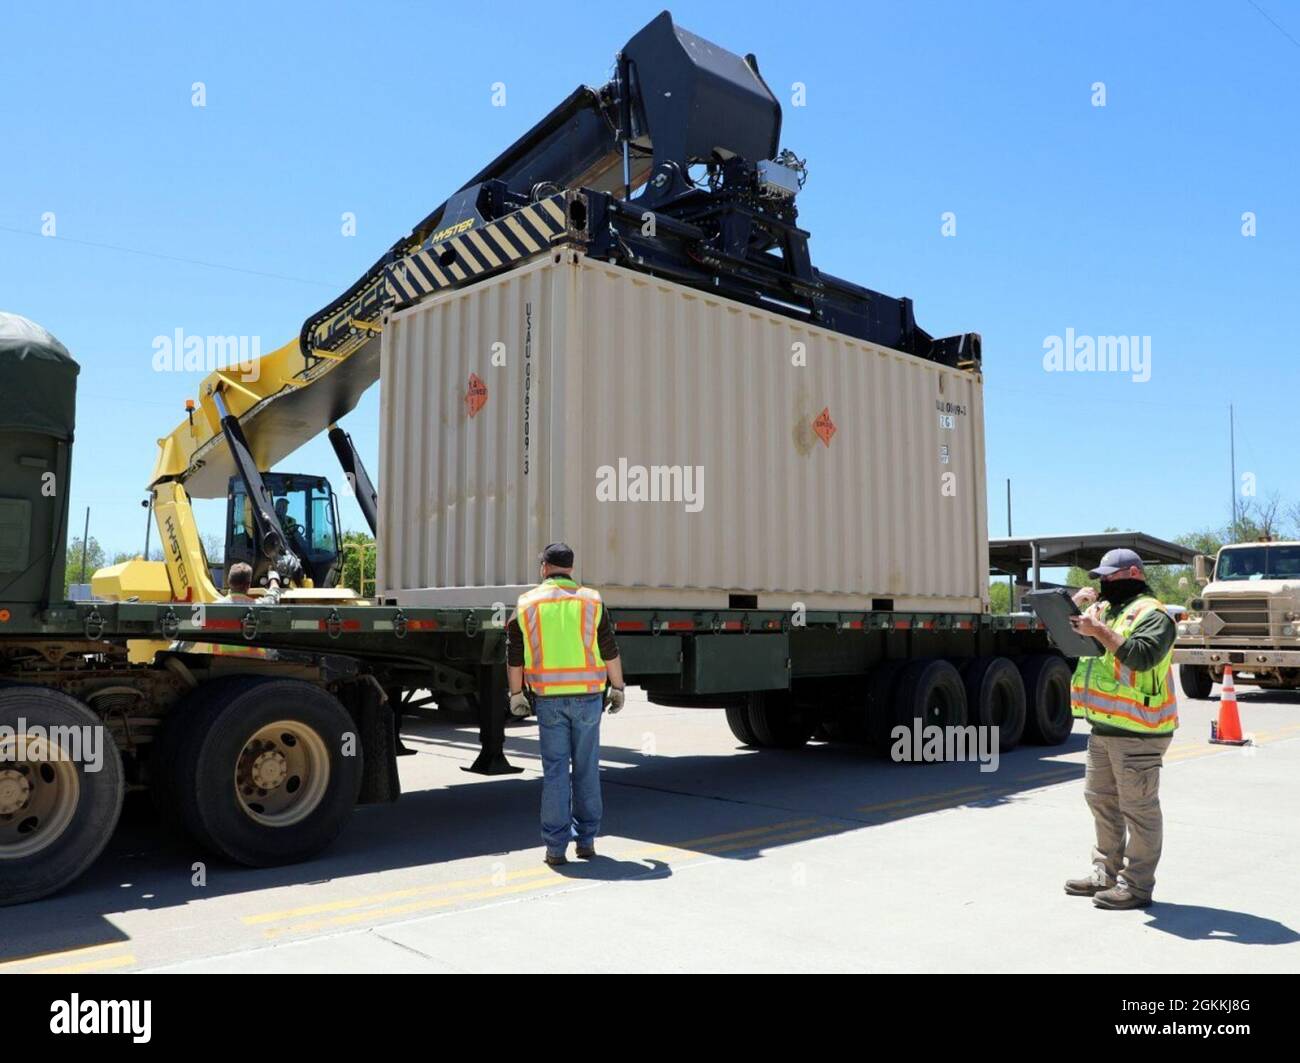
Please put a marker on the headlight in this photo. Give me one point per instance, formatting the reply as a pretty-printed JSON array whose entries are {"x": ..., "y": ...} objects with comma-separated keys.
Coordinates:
[
  {"x": 1288, "y": 631},
  {"x": 1182, "y": 629}
]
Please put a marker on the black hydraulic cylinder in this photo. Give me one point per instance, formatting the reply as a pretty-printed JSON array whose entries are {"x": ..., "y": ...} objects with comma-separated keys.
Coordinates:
[{"x": 358, "y": 479}]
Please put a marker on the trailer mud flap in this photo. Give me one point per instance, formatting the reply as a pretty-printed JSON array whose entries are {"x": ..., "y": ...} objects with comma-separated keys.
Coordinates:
[{"x": 720, "y": 664}]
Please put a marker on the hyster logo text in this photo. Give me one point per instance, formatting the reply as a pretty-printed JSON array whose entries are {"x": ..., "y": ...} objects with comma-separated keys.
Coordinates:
[{"x": 132, "y": 1017}]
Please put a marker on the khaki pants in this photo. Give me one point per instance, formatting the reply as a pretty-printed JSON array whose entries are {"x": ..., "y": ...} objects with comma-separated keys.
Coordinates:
[{"x": 1122, "y": 787}]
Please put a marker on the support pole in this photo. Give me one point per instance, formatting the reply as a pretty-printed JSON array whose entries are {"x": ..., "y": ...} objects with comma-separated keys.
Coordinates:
[
  {"x": 493, "y": 704},
  {"x": 85, "y": 547}
]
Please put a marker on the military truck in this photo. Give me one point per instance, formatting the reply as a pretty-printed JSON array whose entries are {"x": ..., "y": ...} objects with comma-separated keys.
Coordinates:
[{"x": 1247, "y": 616}]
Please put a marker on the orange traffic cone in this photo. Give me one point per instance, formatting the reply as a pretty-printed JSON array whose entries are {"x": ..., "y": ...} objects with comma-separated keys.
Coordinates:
[{"x": 1227, "y": 732}]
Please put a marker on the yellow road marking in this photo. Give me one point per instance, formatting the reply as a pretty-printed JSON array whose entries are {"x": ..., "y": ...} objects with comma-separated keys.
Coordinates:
[
  {"x": 1045, "y": 777},
  {"x": 107, "y": 964},
  {"x": 62, "y": 954},
  {"x": 495, "y": 880}
]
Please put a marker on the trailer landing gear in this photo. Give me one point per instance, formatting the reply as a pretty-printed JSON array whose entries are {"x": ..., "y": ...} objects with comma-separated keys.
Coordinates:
[{"x": 492, "y": 707}]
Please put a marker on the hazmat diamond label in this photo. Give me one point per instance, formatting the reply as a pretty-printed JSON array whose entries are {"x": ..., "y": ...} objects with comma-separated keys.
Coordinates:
[
  {"x": 476, "y": 397},
  {"x": 824, "y": 426}
]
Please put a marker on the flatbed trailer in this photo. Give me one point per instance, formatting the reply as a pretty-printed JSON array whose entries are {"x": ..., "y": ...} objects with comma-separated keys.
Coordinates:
[{"x": 260, "y": 750}]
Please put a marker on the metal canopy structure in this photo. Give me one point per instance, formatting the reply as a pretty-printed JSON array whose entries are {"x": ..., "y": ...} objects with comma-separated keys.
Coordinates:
[{"x": 1025, "y": 556}]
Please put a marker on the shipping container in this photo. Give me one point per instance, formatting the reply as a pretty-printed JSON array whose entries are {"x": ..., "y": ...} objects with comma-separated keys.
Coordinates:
[{"x": 695, "y": 452}]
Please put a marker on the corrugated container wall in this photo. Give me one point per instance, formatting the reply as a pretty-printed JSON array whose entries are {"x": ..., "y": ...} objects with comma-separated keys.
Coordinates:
[{"x": 789, "y": 462}]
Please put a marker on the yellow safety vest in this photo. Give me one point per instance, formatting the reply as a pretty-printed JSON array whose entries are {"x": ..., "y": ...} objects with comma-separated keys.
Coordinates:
[
  {"x": 561, "y": 656},
  {"x": 1104, "y": 691}
]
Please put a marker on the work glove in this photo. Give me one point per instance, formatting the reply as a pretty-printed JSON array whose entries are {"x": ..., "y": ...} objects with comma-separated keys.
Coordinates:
[
  {"x": 289, "y": 569},
  {"x": 519, "y": 705},
  {"x": 614, "y": 699}
]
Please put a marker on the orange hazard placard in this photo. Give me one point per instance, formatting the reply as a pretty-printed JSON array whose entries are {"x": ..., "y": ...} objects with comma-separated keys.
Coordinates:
[
  {"x": 476, "y": 396},
  {"x": 824, "y": 426}
]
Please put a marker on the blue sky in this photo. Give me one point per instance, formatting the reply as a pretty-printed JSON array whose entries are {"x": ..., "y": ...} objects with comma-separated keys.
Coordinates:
[{"x": 1115, "y": 220}]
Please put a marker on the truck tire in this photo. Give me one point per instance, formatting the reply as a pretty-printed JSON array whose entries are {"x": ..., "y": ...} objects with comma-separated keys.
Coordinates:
[
  {"x": 775, "y": 721},
  {"x": 258, "y": 770},
  {"x": 738, "y": 721},
  {"x": 1196, "y": 680},
  {"x": 56, "y": 816},
  {"x": 995, "y": 697},
  {"x": 881, "y": 686},
  {"x": 930, "y": 690},
  {"x": 1047, "y": 689}
]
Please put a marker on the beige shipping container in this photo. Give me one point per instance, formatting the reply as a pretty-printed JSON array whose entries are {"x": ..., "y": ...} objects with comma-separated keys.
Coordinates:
[{"x": 689, "y": 448}]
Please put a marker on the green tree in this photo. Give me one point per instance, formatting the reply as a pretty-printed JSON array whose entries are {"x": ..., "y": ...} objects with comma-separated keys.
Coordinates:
[
  {"x": 999, "y": 596},
  {"x": 94, "y": 559},
  {"x": 355, "y": 545}
]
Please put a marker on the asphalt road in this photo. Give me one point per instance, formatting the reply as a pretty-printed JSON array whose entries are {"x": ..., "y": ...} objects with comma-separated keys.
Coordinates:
[{"x": 720, "y": 858}]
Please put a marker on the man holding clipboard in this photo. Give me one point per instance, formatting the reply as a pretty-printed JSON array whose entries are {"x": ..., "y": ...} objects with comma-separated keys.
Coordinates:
[{"x": 1126, "y": 693}]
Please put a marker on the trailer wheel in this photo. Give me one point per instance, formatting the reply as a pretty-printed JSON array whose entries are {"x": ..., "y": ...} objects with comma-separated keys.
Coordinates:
[
  {"x": 930, "y": 690},
  {"x": 1047, "y": 688},
  {"x": 776, "y": 722},
  {"x": 738, "y": 721},
  {"x": 265, "y": 771},
  {"x": 56, "y": 813},
  {"x": 1196, "y": 681},
  {"x": 882, "y": 686},
  {"x": 995, "y": 697}
]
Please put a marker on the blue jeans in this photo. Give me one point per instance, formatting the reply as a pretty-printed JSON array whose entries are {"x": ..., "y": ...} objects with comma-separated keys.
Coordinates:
[{"x": 571, "y": 805}]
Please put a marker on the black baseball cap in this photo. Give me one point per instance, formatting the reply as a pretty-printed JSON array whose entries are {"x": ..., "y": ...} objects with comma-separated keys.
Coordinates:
[{"x": 558, "y": 554}]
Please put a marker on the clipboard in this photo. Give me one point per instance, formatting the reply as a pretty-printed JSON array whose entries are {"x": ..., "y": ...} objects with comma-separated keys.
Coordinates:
[{"x": 1054, "y": 608}]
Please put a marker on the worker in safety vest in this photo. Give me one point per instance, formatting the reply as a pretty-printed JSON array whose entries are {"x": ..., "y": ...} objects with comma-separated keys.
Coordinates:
[
  {"x": 1127, "y": 695},
  {"x": 560, "y": 642}
]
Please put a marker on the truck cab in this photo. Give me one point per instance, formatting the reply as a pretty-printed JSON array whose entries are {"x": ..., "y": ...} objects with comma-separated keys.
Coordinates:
[{"x": 1247, "y": 616}]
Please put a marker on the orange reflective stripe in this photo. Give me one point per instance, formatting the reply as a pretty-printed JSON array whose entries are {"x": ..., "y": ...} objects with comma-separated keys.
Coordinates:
[
  {"x": 529, "y": 621},
  {"x": 589, "y": 632},
  {"x": 1150, "y": 715}
]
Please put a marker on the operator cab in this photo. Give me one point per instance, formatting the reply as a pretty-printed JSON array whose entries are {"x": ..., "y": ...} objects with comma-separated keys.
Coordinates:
[{"x": 308, "y": 513}]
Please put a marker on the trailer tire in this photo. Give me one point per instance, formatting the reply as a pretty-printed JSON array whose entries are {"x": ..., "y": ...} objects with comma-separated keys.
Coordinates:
[
  {"x": 930, "y": 690},
  {"x": 880, "y": 711},
  {"x": 1196, "y": 680},
  {"x": 738, "y": 721},
  {"x": 165, "y": 780},
  {"x": 995, "y": 697},
  {"x": 775, "y": 721},
  {"x": 1048, "y": 721},
  {"x": 75, "y": 809},
  {"x": 266, "y": 771}
]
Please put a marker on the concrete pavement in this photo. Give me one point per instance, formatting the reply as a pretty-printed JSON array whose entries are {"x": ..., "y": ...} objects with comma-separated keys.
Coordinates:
[{"x": 719, "y": 858}]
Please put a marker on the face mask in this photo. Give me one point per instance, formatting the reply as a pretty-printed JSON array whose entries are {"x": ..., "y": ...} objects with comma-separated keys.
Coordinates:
[{"x": 1115, "y": 591}]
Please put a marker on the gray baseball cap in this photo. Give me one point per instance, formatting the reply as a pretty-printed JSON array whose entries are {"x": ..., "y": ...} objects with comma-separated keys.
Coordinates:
[{"x": 1117, "y": 561}]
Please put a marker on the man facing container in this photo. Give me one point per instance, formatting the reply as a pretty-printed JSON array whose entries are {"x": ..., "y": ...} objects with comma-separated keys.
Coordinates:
[{"x": 561, "y": 643}]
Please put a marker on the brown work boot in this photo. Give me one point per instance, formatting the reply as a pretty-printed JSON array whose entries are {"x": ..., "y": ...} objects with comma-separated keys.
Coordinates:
[
  {"x": 1085, "y": 887},
  {"x": 556, "y": 859},
  {"x": 1118, "y": 898},
  {"x": 586, "y": 852}
]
